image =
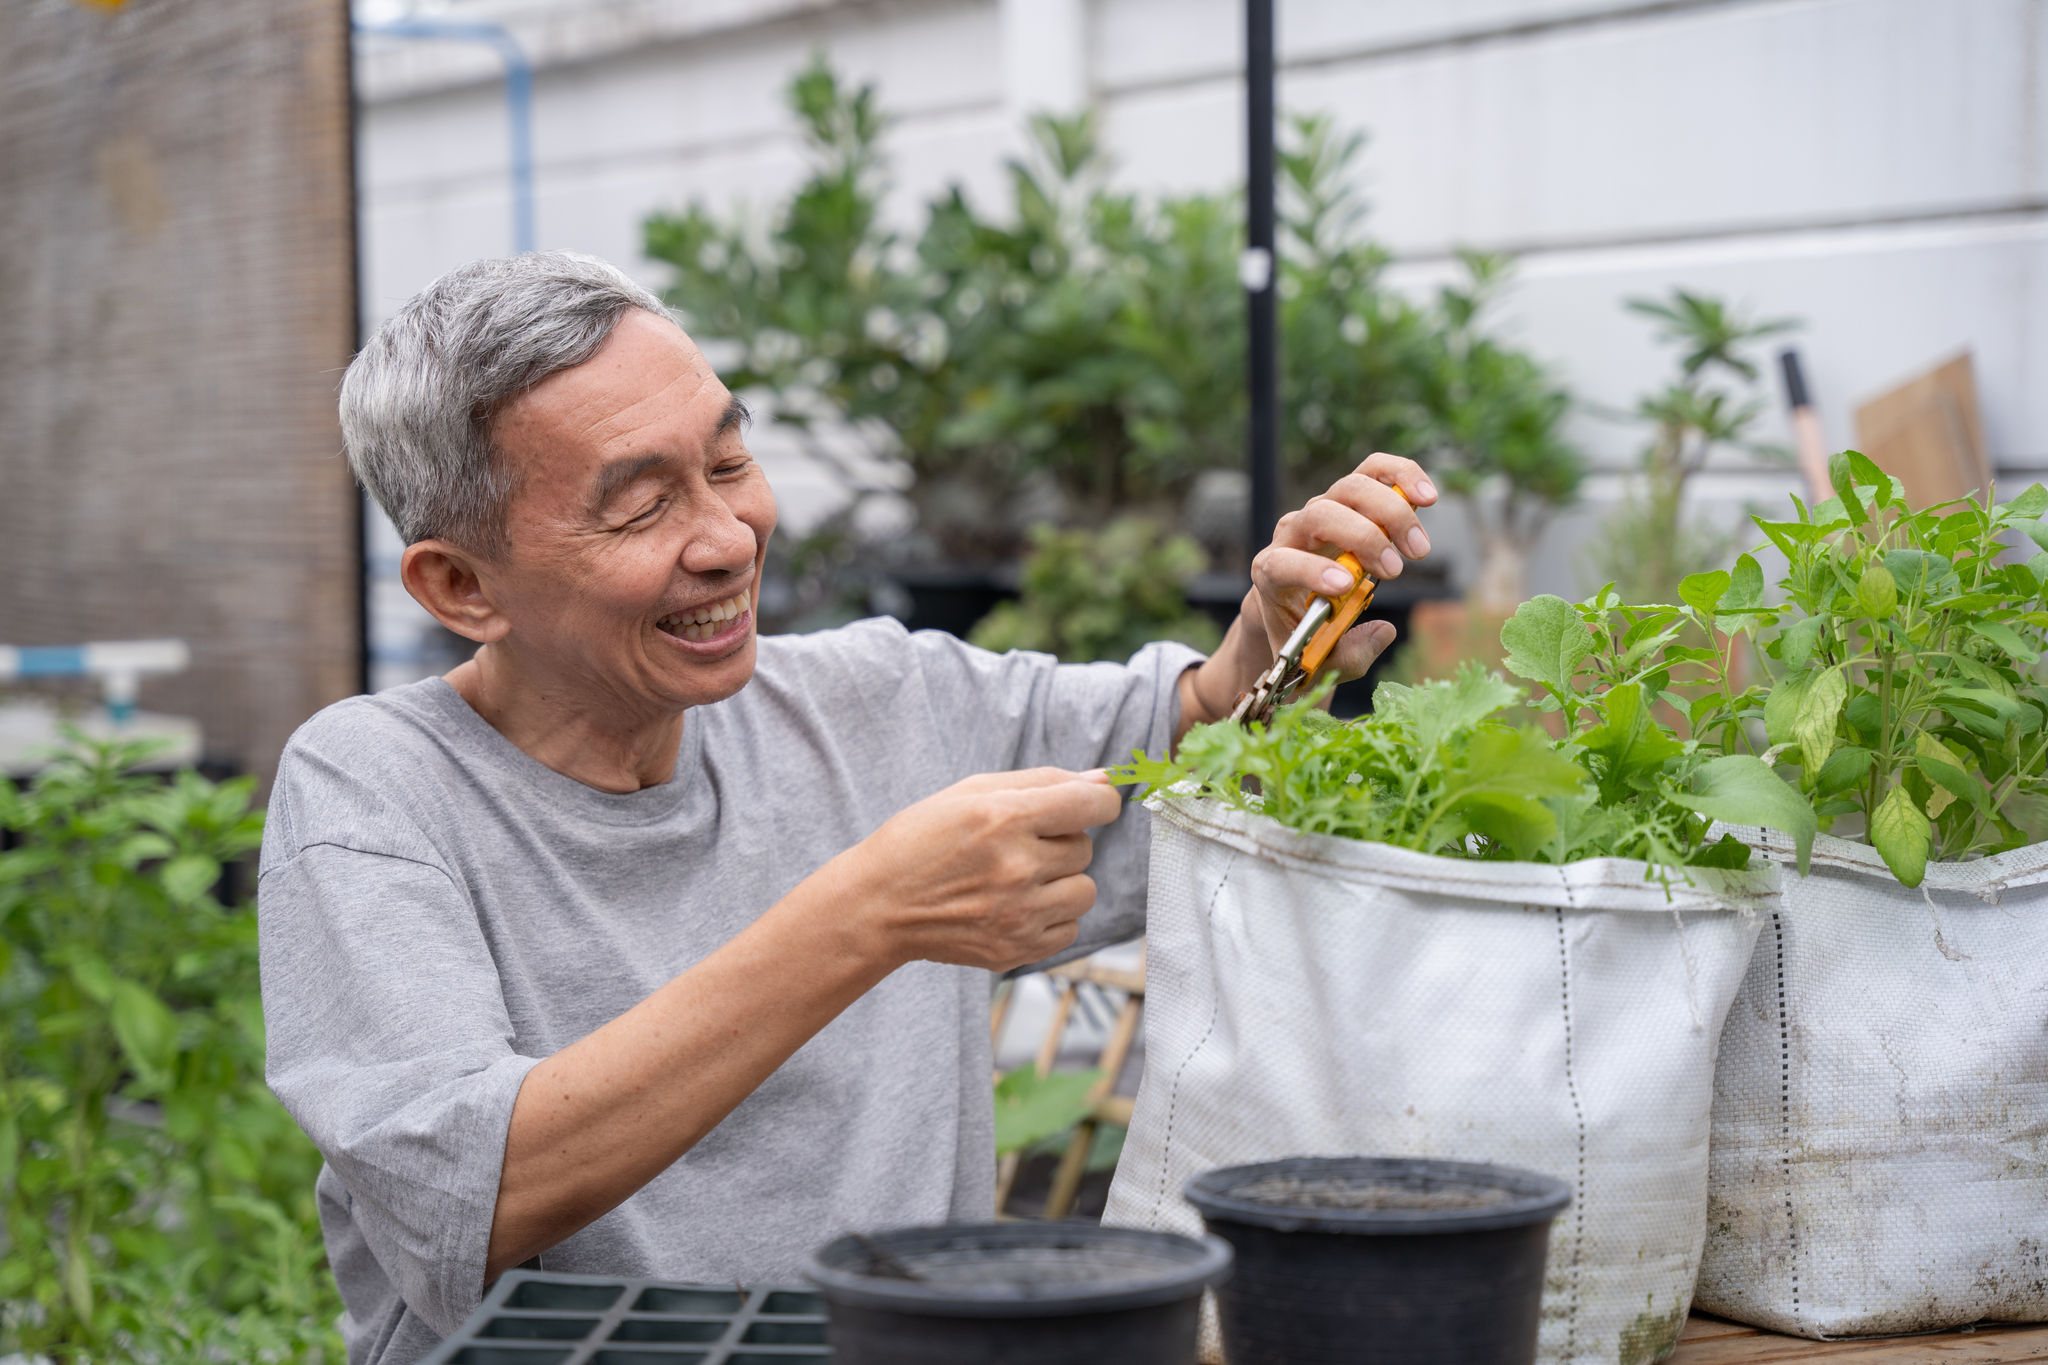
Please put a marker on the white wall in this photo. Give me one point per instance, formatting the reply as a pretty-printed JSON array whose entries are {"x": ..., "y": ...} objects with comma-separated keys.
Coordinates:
[{"x": 1878, "y": 168}]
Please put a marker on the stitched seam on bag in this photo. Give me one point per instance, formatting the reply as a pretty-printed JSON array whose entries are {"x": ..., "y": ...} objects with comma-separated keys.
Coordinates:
[
  {"x": 1173, "y": 1090},
  {"x": 1571, "y": 1085},
  {"x": 1785, "y": 1117}
]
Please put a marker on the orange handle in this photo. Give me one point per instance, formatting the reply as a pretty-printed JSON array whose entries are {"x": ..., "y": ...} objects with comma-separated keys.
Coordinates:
[{"x": 1348, "y": 609}]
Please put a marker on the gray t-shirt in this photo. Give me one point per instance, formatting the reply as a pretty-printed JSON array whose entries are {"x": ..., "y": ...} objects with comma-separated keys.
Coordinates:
[{"x": 439, "y": 911}]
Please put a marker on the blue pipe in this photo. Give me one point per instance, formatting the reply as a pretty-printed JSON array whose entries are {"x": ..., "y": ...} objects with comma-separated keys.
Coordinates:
[{"x": 518, "y": 98}]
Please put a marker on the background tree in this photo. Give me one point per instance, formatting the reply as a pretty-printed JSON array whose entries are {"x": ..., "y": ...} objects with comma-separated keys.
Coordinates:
[{"x": 1649, "y": 543}]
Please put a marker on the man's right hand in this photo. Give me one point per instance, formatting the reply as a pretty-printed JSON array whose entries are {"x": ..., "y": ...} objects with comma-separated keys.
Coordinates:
[{"x": 991, "y": 872}]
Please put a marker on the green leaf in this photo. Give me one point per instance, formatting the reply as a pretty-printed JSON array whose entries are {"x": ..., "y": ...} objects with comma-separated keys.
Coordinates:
[
  {"x": 1741, "y": 789},
  {"x": 94, "y": 978},
  {"x": 1498, "y": 790},
  {"x": 146, "y": 1030},
  {"x": 2005, "y": 637},
  {"x": 1842, "y": 475},
  {"x": 1437, "y": 710},
  {"x": 1900, "y": 833},
  {"x": 1788, "y": 536},
  {"x": 1745, "y": 586},
  {"x": 1846, "y": 767},
  {"x": 1917, "y": 572},
  {"x": 1820, "y": 709},
  {"x": 2037, "y": 531},
  {"x": 1703, "y": 591},
  {"x": 1031, "y": 1107},
  {"x": 1796, "y": 645},
  {"x": 2030, "y": 503},
  {"x": 2028, "y": 812},
  {"x": 1877, "y": 593},
  {"x": 188, "y": 877},
  {"x": 1546, "y": 641},
  {"x": 1629, "y": 736},
  {"x": 1726, "y": 852},
  {"x": 1782, "y": 706}
]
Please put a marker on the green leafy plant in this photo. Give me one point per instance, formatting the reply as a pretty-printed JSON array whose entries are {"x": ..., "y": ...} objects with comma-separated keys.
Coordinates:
[
  {"x": 1905, "y": 691},
  {"x": 1902, "y": 687},
  {"x": 1102, "y": 594},
  {"x": 1031, "y": 1108},
  {"x": 1437, "y": 769},
  {"x": 158, "y": 1201},
  {"x": 1081, "y": 355},
  {"x": 1649, "y": 543}
]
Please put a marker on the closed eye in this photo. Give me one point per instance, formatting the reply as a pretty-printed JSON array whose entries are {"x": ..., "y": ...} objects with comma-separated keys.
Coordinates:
[{"x": 645, "y": 517}]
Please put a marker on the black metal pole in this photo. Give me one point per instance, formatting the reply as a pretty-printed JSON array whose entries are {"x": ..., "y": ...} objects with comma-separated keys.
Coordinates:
[{"x": 1258, "y": 270}]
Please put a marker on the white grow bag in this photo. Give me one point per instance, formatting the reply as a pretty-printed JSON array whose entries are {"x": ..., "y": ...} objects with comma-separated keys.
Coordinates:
[
  {"x": 1317, "y": 996},
  {"x": 1880, "y": 1159}
]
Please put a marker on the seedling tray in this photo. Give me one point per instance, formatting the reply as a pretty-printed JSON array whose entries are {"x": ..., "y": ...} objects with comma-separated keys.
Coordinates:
[{"x": 534, "y": 1318}]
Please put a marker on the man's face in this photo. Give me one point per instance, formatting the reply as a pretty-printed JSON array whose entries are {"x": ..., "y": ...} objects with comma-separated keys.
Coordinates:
[{"x": 638, "y": 526}]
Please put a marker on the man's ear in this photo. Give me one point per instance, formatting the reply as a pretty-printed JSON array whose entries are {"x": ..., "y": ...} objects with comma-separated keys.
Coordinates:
[{"x": 449, "y": 582}]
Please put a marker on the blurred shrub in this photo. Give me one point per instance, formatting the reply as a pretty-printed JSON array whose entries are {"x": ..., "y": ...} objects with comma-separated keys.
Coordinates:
[
  {"x": 1649, "y": 544},
  {"x": 1102, "y": 594},
  {"x": 1491, "y": 432},
  {"x": 158, "y": 1201},
  {"x": 1083, "y": 355}
]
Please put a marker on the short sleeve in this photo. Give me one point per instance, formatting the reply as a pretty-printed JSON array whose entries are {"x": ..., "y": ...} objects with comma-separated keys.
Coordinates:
[{"x": 389, "y": 1042}]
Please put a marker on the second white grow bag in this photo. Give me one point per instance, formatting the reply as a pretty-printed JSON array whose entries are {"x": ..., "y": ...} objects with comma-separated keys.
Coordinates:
[
  {"x": 1316, "y": 996},
  {"x": 1880, "y": 1158}
]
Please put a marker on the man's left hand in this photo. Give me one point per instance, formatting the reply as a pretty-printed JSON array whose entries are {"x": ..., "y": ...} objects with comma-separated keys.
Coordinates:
[{"x": 1371, "y": 513}]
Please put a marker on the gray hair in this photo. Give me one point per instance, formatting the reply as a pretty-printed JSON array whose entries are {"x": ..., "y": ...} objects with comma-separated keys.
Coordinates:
[{"x": 418, "y": 401}]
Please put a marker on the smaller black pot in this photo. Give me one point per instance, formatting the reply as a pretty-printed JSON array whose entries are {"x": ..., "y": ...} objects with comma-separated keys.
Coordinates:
[
  {"x": 1015, "y": 1293},
  {"x": 1380, "y": 1260}
]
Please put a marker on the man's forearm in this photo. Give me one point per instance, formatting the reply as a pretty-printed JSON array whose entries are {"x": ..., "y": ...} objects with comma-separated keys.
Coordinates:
[
  {"x": 1209, "y": 690},
  {"x": 603, "y": 1116}
]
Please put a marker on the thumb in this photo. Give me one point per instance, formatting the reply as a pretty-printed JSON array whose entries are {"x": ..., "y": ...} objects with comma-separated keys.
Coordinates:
[{"x": 1361, "y": 646}]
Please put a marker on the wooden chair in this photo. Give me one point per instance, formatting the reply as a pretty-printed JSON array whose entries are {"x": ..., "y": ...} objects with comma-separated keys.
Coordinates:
[{"x": 1105, "y": 1105}]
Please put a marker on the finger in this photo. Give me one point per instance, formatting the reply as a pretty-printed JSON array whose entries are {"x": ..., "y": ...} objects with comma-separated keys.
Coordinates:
[
  {"x": 1070, "y": 807},
  {"x": 1055, "y": 938},
  {"x": 1064, "y": 855},
  {"x": 1292, "y": 575},
  {"x": 1385, "y": 508},
  {"x": 1326, "y": 521},
  {"x": 1361, "y": 646},
  {"x": 1027, "y": 779},
  {"x": 1401, "y": 472},
  {"x": 1070, "y": 897}
]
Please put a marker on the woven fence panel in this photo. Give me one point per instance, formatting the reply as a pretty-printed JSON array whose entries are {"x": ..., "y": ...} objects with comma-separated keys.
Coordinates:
[{"x": 176, "y": 306}]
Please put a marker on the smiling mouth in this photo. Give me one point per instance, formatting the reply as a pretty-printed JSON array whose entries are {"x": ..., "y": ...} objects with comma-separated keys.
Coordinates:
[{"x": 704, "y": 623}]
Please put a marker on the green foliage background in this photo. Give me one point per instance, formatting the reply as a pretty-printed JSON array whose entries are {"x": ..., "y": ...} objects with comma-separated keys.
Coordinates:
[
  {"x": 1089, "y": 346},
  {"x": 1102, "y": 595},
  {"x": 158, "y": 1201}
]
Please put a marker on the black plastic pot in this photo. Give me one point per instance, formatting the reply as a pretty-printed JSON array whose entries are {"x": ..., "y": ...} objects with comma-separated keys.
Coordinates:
[
  {"x": 1380, "y": 1260},
  {"x": 1015, "y": 1293}
]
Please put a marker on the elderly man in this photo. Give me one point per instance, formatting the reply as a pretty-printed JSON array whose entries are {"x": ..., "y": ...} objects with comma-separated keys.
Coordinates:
[{"x": 639, "y": 944}]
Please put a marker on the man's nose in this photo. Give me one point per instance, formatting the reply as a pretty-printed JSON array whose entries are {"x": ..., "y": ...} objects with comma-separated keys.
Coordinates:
[{"x": 719, "y": 542}]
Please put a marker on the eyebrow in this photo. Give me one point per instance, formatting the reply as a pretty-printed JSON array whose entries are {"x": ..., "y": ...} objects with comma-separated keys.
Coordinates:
[{"x": 619, "y": 475}]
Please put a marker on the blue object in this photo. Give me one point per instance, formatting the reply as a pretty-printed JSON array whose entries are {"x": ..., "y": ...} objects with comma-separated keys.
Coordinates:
[
  {"x": 518, "y": 98},
  {"x": 50, "y": 661}
]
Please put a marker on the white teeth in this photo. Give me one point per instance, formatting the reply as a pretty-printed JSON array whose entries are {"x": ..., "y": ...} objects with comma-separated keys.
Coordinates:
[{"x": 701, "y": 623}]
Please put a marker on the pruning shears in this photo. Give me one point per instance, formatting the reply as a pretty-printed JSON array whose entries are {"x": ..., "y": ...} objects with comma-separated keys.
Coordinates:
[{"x": 1321, "y": 626}]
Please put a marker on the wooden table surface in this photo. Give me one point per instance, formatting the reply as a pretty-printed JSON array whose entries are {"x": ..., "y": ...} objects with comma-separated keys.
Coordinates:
[{"x": 1710, "y": 1341}]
